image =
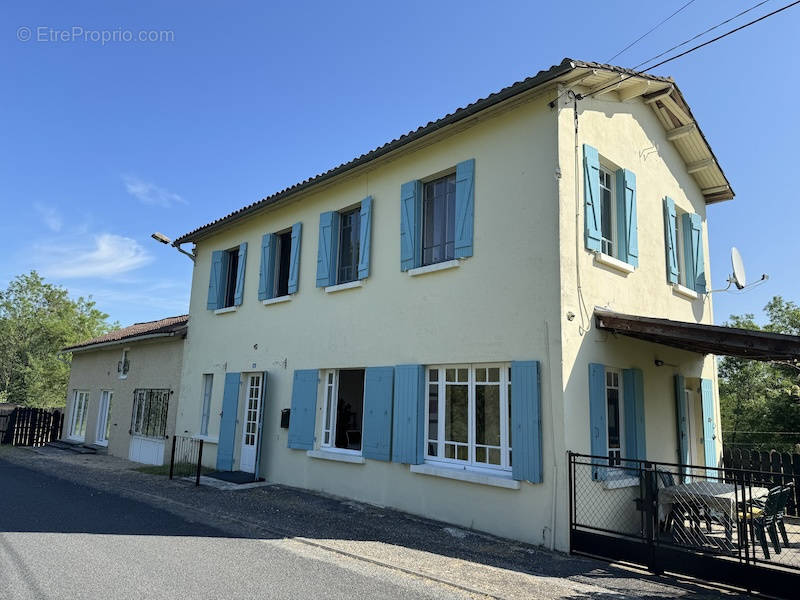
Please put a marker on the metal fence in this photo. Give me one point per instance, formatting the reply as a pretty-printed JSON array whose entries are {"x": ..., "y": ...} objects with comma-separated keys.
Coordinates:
[
  {"x": 728, "y": 525},
  {"x": 186, "y": 459}
]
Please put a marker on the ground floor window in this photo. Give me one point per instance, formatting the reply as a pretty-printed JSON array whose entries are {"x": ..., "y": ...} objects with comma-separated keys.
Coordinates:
[
  {"x": 614, "y": 416},
  {"x": 208, "y": 383},
  {"x": 150, "y": 407},
  {"x": 77, "y": 427},
  {"x": 468, "y": 415},
  {"x": 104, "y": 416},
  {"x": 343, "y": 416}
]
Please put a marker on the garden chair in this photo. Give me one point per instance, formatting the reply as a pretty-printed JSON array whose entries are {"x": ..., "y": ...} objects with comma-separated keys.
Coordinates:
[{"x": 764, "y": 521}]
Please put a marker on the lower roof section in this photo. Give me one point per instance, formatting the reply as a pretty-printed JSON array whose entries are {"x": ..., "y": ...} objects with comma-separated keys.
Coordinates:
[{"x": 702, "y": 338}]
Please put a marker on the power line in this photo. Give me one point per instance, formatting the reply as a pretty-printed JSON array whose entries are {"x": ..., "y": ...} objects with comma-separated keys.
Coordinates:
[
  {"x": 711, "y": 41},
  {"x": 640, "y": 38}
]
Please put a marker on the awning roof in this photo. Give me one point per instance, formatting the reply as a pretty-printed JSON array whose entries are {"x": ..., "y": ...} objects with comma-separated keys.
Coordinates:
[{"x": 705, "y": 339}]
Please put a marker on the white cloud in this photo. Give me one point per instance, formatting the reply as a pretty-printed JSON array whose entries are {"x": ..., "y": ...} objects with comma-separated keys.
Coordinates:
[
  {"x": 150, "y": 193},
  {"x": 110, "y": 256},
  {"x": 49, "y": 215}
]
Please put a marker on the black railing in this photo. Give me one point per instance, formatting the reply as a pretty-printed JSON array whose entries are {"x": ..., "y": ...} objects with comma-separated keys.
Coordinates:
[
  {"x": 720, "y": 524},
  {"x": 186, "y": 458}
]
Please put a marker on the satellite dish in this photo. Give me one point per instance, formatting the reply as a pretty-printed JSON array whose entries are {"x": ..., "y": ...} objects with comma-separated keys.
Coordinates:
[{"x": 739, "y": 277}]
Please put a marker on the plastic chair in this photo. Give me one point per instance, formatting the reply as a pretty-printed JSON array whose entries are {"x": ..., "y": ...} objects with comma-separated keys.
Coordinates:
[{"x": 765, "y": 521}]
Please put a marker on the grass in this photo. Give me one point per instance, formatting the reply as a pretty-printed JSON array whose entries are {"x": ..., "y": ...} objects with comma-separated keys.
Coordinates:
[{"x": 181, "y": 469}]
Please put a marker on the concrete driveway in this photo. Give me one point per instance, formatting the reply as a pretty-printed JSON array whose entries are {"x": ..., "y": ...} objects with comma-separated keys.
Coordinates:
[{"x": 75, "y": 526}]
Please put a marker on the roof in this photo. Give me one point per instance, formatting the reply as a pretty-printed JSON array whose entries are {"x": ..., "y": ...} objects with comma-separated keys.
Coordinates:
[
  {"x": 167, "y": 327},
  {"x": 590, "y": 79},
  {"x": 702, "y": 338}
]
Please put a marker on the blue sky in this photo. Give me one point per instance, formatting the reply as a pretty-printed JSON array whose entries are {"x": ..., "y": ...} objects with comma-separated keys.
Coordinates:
[{"x": 102, "y": 144}]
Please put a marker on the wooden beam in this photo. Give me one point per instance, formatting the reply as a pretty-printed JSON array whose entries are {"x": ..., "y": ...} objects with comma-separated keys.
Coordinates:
[
  {"x": 659, "y": 95},
  {"x": 700, "y": 165},
  {"x": 605, "y": 88},
  {"x": 714, "y": 190},
  {"x": 679, "y": 132},
  {"x": 579, "y": 78},
  {"x": 636, "y": 89},
  {"x": 676, "y": 110}
]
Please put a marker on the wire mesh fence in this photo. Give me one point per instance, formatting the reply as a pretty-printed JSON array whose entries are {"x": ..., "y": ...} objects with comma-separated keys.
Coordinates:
[{"x": 186, "y": 458}]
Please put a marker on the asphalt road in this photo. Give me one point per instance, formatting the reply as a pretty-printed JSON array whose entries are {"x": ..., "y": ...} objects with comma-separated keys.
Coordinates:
[{"x": 59, "y": 539}]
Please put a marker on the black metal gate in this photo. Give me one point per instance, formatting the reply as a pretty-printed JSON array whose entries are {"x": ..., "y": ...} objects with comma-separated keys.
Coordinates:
[{"x": 718, "y": 525}]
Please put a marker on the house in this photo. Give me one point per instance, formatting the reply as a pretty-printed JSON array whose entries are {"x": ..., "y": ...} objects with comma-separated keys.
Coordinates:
[
  {"x": 122, "y": 386},
  {"x": 445, "y": 317}
]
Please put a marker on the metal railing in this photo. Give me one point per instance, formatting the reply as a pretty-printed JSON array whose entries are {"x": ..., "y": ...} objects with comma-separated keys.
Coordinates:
[{"x": 186, "y": 458}]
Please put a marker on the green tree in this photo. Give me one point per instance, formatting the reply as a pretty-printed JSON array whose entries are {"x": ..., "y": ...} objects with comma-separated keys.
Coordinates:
[
  {"x": 762, "y": 396},
  {"x": 37, "y": 320}
]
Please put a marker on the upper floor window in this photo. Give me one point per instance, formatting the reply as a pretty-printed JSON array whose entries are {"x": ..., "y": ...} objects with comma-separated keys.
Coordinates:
[
  {"x": 280, "y": 263},
  {"x": 282, "y": 257},
  {"x": 683, "y": 242},
  {"x": 226, "y": 281},
  {"x": 343, "y": 253},
  {"x": 680, "y": 252},
  {"x": 349, "y": 234},
  {"x": 123, "y": 366},
  {"x": 438, "y": 220},
  {"x": 608, "y": 213},
  {"x": 231, "y": 267}
]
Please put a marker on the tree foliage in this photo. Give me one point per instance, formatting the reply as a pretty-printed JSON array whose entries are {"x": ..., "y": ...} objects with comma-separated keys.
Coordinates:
[
  {"x": 37, "y": 320},
  {"x": 762, "y": 396}
]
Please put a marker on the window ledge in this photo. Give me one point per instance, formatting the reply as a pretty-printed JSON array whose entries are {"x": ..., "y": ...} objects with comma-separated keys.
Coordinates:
[
  {"x": 277, "y": 300},
  {"x": 614, "y": 263},
  {"x": 460, "y": 474},
  {"x": 448, "y": 264},
  {"x": 344, "y": 286},
  {"x": 103, "y": 443},
  {"x": 227, "y": 309},
  {"x": 682, "y": 290},
  {"x": 206, "y": 438},
  {"x": 346, "y": 457},
  {"x": 614, "y": 483}
]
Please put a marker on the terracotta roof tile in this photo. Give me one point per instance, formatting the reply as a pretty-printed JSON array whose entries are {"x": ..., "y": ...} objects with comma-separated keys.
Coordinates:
[{"x": 167, "y": 325}]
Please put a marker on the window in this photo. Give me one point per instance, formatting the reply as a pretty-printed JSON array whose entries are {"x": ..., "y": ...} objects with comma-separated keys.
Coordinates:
[
  {"x": 282, "y": 262},
  {"x": 468, "y": 415},
  {"x": 438, "y": 220},
  {"x": 349, "y": 233},
  {"x": 149, "y": 416},
  {"x": 104, "y": 417},
  {"x": 231, "y": 270},
  {"x": 614, "y": 415},
  {"x": 343, "y": 412},
  {"x": 680, "y": 253},
  {"x": 608, "y": 213},
  {"x": 208, "y": 382},
  {"x": 123, "y": 366},
  {"x": 77, "y": 428}
]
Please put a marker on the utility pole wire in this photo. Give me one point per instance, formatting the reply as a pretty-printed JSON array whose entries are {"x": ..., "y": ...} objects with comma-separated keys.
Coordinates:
[
  {"x": 640, "y": 38},
  {"x": 711, "y": 41}
]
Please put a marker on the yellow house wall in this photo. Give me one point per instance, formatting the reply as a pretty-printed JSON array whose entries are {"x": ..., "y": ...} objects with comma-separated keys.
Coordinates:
[
  {"x": 153, "y": 364},
  {"x": 499, "y": 305}
]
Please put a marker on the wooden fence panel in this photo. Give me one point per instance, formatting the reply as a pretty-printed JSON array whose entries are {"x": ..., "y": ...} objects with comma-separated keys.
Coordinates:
[
  {"x": 30, "y": 426},
  {"x": 768, "y": 469}
]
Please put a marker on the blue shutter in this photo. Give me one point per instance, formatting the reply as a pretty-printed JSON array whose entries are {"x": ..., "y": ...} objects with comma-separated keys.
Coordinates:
[
  {"x": 591, "y": 198},
  {"x": 408, "y": 419},
  {"x": 227, "y": 422},
  {"x": 709, "y": 426},
  {"x": 365, "y": 238},
  {"x": 682, "y": 423},
  {"x": 633, "y": 401},
  {"x": 302, "y": 419},
  {"x": 378, "y": 394},
  {"x": 597, "y": 417},
  {"x": 294, "y": 258},
  {"x": 266, "y": 273},
  {"x": 627, "y": 229},
  {"x": 215, "y": 279},
  {"x": 526, "y": 421},
  {"x": 465, "y": 208},
  {"x": 693, "y": 252},
  {"x": 327, "y": 248},
  {"x": 410, "y": 225},
  {"x": 238, "y": 296},
  {"x": 671, "y": 240}
]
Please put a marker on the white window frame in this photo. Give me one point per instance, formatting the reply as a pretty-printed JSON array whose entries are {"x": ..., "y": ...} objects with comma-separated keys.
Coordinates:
[
  {"x": 123, "y": 371},
  {"x": 680, "y": 255},
  {"x": 329, "y": 400},
  {"x": 252, "y": 413},
  {"x": 103, "y": 417},
  {"x": 205, "y": 415},
  {"x": 80, "y": 406},
  {"x": 615, "y": 455},
  {"x": 614, "y": 241},
  {"x": 471, "y": 463}
]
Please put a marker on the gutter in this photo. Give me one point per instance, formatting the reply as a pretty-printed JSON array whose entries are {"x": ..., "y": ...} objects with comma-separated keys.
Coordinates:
[{"x": 138, "y": 338}]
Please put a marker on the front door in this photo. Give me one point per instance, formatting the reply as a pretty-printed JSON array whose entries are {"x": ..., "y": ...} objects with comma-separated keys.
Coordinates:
[
  {"x": 252, "y": 420},
  {"x": 103, "y": 415}
]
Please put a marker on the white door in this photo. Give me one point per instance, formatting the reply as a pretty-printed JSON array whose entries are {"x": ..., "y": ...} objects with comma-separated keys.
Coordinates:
[
  {"x": 103, "y": 421},
  {"x": 149, "y": 451},
  {"x": 252, "y": 417},
  {"x": 77, "y": 425}
]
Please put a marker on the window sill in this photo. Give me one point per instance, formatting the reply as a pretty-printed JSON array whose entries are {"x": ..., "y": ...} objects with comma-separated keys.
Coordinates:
[
  {"x": 103, "y": 443},
  {"x": 346, "y": 457},
  {"x": 615, "y": 483},
  {"x": 682, "y": 290},
  {"x": 614, "y": 263},
  {"x": 461, "y": 474},
  {"x": 206, "y": 438},
  {"x": 227, "y": 309},
  {"x": 277, "y": 300},
  {"x": 448, "y": 264},
  {"x": 344, "y": 286}
]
